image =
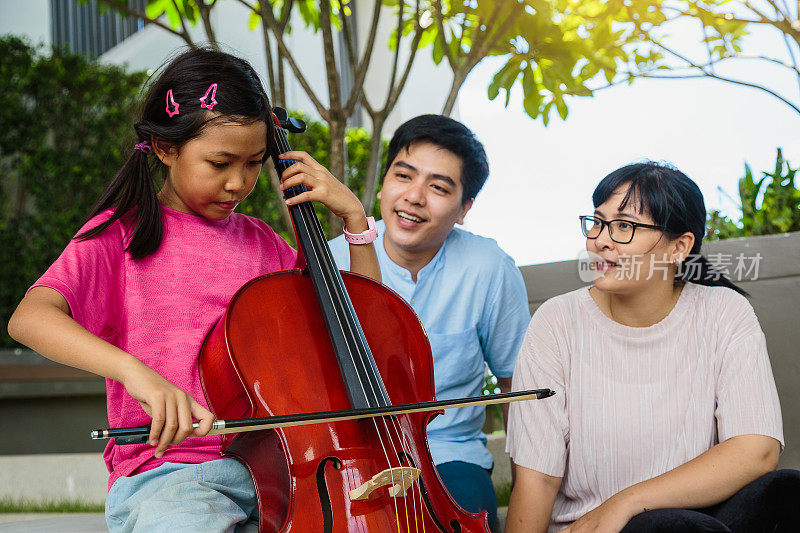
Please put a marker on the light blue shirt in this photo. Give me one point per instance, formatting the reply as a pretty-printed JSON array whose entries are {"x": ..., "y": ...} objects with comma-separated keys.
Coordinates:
[{"x": 472, "y": 301}]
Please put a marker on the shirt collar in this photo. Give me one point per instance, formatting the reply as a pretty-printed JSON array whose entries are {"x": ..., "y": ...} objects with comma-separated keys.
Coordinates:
[{"x": 434, "y": 265}]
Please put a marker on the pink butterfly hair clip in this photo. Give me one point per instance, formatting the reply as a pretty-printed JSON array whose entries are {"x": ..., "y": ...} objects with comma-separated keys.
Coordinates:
[
  {"x": 212, "y": 91},
  {"x": 175, "y": 105}
]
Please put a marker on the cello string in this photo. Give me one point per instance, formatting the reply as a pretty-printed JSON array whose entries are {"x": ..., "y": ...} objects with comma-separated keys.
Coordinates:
[
  {"x": 283, "y": 144},
  {"x": 400, "y": 433},
  {"x": 415, "y": 490},
  {"x": 404, "y": 446},
  {"x": 394, "y": 450}
]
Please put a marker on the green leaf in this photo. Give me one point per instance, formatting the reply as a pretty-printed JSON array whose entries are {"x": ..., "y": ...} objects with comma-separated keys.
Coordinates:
[
  {"x": 438, "y": 51},
  {"x": 253, "y": 20},
  {"x": 561, "y": 106}
]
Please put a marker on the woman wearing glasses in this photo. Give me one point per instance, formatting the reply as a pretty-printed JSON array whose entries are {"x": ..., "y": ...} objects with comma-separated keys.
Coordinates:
[{"x": 666, "y": 416}]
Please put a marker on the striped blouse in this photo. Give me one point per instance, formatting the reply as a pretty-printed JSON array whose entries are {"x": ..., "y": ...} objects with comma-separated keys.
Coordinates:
[{"x": 634, "y": 402}]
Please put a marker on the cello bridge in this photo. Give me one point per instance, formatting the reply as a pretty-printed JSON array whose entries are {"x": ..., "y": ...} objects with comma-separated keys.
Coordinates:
[{"x": 399, "y": 480}]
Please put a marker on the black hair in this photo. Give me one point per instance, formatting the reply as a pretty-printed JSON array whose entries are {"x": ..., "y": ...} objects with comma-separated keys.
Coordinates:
[
  {"x": 674, "y": 202},
  {"x": 240, "y": 99},
  {"x": 448, "y": 134}
]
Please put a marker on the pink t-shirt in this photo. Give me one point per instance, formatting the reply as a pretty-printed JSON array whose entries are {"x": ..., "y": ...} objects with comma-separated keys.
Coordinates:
[
  {"x": 161, "y": 307},
  {"x": 632, "y": 403}
]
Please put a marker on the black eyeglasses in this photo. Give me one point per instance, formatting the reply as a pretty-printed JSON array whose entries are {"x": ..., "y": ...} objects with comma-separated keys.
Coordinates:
[{"x": 620, "y": 231}]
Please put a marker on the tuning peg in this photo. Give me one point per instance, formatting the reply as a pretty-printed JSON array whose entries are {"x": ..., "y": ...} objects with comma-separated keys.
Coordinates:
[{"x": 290, "y": 124}]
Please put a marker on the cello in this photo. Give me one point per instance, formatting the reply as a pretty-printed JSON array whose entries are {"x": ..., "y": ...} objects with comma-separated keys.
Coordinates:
[
  {"x": 318, "y": 339},
  {"x": 324, "y": 472}
]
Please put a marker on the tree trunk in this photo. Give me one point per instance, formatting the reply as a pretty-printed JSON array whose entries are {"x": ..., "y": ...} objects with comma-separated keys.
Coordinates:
[
  {"x": 275, "y": 182},
  {"x": 281, "y": 80},
  {"x": 459, "y": 76},
  {"x": 373, "y": 165},
  {"x": 337, "y": 165},
  {"x": 270, "y": 65}
]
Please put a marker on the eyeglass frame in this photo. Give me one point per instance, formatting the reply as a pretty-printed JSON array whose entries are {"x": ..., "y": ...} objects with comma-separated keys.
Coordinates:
[{"x": 604, "y": 223}]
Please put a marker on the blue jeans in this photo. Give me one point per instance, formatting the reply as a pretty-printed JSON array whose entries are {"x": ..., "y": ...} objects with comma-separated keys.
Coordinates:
[
  {"x": 176, "y": 497},
  {"x": 471, "y": 487},
  {"x": 767, "y": 505}
]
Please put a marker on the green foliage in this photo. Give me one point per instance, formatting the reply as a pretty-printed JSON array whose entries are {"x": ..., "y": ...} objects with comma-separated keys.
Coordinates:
[
  {"x": 552, "y": 49},
  {"x": 494, "y": 413},
  {"x": 720, "y": 28},
  {"x": 770, "y": 204},
  {"x": 503, "y": 492},
  {"x": 65, "y": 129},
  {"x": 9, "y": 505}
]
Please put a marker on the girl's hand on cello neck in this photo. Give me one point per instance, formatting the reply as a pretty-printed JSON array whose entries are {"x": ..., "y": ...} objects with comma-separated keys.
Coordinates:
[
  {"x": 323, "y": 187},
  {"x": 172, "y": 409}
]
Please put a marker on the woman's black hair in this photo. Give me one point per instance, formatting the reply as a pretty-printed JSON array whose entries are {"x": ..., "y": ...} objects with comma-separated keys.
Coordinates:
[
  {"x": 240, "y": 99},
  {"x": 674, "y": 202}
]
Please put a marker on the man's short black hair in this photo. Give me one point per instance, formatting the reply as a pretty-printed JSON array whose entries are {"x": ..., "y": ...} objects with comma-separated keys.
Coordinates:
[{"x": 450, "y": 135}]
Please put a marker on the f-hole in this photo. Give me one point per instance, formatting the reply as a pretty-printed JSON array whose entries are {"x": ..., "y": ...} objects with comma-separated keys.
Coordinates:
[
  {"x": 322, "y": 490},
  {"x": 455, "y": 524}
]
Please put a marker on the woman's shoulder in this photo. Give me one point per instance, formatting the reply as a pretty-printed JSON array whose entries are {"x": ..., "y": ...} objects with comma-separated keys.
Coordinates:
[
  {"x": 723, "y": 308},
  {"x": 561, "y": 309},
  {"x": 566, "y": 301},
  {"x": 724, "y": 301}
]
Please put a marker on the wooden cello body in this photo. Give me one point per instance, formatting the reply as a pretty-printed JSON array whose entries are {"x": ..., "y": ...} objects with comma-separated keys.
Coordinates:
[{"x": 278, "y": 350}]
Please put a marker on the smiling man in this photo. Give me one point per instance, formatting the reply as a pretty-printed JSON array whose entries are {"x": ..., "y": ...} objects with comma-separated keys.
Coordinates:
[{"x": 468, "y": 293}]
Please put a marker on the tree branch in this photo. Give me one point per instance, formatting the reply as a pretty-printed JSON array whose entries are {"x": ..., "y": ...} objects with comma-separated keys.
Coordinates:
[
  {"x": 396, "y": 58},
  {"x": 124, "y": 9},
  {"x": 778, "y": 11},
  {"x": 334, "y": 82},
  {"x": 270, "y": 64},
  {"x": 348, "y": 41},
  {"x": 439, "y": 16},
  {"x": 516, "y": 9},
  {"x": 268, "y": 17},
  {"x": 728, "y": 80},
  {"x": 361, "y": 73},
  {"x": 478, "y": 51},
  {"x": 767, "y": 59},
  {"x": 205, "y": 15},
  {"x": 180, "y": 15},
  {"x": 791, "y": 55},
  {"x": 395, "y": 94}
]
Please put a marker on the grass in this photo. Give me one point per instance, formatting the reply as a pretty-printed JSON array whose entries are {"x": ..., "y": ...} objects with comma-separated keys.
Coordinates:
[
  {"x": 503, "y": 494},
  {"x": 9, "y": 505}
]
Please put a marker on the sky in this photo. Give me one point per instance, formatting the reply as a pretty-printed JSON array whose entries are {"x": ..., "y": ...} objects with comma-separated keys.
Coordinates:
[{"x": 542, "y": 177}]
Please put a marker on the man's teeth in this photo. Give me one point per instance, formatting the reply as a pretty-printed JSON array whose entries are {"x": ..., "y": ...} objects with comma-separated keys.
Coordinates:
[{"x": 406, "y": 216}]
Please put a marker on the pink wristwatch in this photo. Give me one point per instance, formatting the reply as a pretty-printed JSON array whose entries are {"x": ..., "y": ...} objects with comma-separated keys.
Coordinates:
[{"x": 363, "y": 238}]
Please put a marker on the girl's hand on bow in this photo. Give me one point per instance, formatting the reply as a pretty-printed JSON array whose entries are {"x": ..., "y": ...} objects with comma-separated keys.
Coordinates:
[
  {"x": 324, "y": 188},
  {"x": 172, "y": 409}
]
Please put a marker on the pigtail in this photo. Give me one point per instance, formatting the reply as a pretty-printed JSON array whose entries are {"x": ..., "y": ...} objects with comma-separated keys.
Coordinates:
[
  {"x": 697, "y": 269},
  {"x": 133, "y": 195}
]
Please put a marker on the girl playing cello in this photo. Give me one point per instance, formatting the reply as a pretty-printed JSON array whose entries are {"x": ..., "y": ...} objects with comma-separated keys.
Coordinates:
[{"x": 134, "y": 293}]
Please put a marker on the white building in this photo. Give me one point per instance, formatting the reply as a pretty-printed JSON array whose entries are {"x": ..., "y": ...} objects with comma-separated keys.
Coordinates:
[{"x": 146, "y": 46}]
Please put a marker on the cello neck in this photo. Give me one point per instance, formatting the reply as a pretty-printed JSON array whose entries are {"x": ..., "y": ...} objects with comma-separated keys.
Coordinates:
[{"x": 363, "y": 383}]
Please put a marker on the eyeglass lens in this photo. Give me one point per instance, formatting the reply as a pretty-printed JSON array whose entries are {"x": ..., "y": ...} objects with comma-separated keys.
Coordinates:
[{"x": 619, "y": 230}]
